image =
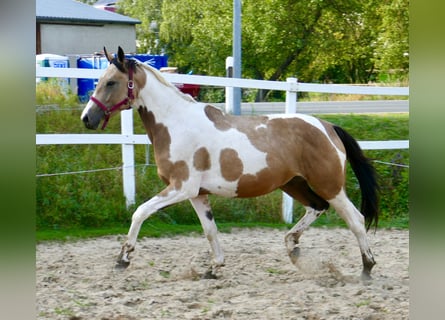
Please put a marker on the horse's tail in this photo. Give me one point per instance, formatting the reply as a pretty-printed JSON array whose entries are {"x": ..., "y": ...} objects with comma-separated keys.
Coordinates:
[{"x": 366, "y": 176}]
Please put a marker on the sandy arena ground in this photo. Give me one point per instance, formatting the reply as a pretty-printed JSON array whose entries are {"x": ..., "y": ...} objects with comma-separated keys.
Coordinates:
[{"x": 77, "y": 280}]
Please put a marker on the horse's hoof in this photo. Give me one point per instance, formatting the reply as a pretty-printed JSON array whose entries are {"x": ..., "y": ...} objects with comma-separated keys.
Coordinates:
[
  {"x": 209, "y": 274},
  {"x": 294, "y": 254},
  {"x": 366, "y": 276},
  {"x": 122, "y": 265}
]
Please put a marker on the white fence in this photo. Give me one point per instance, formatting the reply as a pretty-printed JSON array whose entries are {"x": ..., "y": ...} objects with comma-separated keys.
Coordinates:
[{"x": 128, "y": 139}]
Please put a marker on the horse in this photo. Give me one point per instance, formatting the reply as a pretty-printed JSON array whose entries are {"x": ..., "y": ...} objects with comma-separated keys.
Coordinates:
[{"x": 200, "y": 150}]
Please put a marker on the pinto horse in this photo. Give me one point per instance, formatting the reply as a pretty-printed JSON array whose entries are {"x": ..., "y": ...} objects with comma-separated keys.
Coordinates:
[{"x": 199, "y": 150}]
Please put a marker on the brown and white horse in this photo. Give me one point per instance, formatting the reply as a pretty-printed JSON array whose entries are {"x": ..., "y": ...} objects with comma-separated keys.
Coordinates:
[{"x": 199, "y": 150}]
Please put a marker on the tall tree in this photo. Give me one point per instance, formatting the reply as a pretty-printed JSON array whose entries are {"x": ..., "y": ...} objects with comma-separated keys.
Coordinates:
[
  {"x": 150, "y": 14},
  {"x": 343, "y": 48},
  {"x": 392, "y": 43},
  {"x": 199, "y": 33},
  {"x": 314, "y": 40}
]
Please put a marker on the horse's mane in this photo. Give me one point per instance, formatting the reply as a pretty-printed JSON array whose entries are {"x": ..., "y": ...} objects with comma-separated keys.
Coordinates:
[{"x": 161, "y": 79}]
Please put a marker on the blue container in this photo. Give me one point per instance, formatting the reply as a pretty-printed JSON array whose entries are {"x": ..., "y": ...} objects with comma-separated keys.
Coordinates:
[
  {"x": 155, "y": 61},
  {"x": 55, "y": 61},
  {"x": 85, "y": 87}
]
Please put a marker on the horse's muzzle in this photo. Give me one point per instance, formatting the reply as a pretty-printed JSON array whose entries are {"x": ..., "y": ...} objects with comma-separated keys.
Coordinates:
[{"x": 88, "y": 124}]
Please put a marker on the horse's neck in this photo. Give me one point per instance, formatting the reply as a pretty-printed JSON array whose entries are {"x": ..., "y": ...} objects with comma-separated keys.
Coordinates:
[
  {"x": 164, "y": 100},
  {"x": 162, "y": 107}
]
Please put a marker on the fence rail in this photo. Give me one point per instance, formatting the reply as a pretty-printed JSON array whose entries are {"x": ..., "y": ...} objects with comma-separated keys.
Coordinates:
[
  {"x": 128, "y": 139},
  {"x": 53, "y": 138},
  {"x": 234, "y": 82}
]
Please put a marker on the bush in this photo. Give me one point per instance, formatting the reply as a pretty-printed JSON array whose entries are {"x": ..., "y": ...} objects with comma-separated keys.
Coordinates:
[{"x": 50, "y": 92}]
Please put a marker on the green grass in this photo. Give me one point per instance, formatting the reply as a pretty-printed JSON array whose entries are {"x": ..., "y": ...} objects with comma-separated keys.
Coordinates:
[
  {"x": 92, "y": 204},
  {"x": 159, "y": 229},
  {"x": 149, "y": 229}
]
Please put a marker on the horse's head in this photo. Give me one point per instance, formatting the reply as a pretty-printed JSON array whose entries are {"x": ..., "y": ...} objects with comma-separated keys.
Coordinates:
[{"x": 113, "y": 93}]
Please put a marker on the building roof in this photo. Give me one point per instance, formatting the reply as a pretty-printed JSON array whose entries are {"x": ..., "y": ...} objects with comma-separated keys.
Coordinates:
[{"x": 71, "y": 11}]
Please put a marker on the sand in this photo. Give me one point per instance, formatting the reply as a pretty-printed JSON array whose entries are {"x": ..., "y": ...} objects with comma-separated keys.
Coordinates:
[{"x": 77, "y": 279}]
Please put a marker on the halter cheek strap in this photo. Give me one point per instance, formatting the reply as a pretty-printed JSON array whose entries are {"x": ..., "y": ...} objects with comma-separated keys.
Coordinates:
[{"x": 130, "y": 96}]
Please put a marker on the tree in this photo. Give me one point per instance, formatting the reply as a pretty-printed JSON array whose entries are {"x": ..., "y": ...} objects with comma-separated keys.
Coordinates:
[
  {"x": 343, "y": 49},
  {"x": 314, "y": 40},
  {"x": 392, "y": 44},
  {"x": 150, "y": 14},
  {"x": 198, "y": 34}
]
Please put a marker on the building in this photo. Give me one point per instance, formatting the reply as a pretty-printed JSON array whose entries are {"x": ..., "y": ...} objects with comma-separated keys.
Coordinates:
[{"x": 68, "y": 27}]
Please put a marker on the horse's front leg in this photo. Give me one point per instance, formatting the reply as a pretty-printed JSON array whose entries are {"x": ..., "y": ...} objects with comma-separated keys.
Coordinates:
[
  {"x": 202, "y": 207},
  {"x": 165, "y": 198}
]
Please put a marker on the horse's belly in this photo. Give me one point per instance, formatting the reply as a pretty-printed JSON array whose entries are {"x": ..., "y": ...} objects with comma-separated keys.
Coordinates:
[
  {"x": 246, "y": 186},
  {"x": 220, "y": 187}
]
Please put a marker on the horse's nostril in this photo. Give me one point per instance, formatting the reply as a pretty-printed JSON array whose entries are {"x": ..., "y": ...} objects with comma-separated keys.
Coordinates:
[{"x": 86, "y": 121}]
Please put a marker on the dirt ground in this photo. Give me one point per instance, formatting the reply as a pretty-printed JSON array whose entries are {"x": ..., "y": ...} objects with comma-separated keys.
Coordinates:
[{"x": 77, "y": 280}]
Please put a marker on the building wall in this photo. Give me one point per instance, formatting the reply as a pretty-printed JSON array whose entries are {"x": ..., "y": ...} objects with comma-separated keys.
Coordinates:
[{"x": 86, "y": 39}]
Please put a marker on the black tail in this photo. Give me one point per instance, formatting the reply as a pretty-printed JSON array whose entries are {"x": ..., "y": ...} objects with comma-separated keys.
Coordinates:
[{"x": 366, "y": 176}]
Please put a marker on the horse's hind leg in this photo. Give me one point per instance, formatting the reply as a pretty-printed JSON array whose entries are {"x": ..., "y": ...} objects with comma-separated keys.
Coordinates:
[
  {"x": 202, "y": 207},
  {"x": 355, "y": 221},
  {"x": 315, "y": 206},
  {"x": 293, "y": 235}
]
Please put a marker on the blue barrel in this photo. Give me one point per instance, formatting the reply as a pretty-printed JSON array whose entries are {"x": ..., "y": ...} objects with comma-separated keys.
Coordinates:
[{"x": 85, "y": 87}]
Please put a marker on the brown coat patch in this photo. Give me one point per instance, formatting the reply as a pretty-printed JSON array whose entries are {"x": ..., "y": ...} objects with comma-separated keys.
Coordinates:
[
  {"x": 179, "y": 173},
  {"x": 263, "y": 182},
  {"x": 171, "y": 173},
  {"x": 203, "y": 191},
  {"x": 140, "y": 79},
  {"x": 231, "y": 164},
  {"x": 217, "y": 117},
  {"x": 201, "y": 159},
  {"x": 333, "y": 135},
  {"x": 298, "y": 188}
]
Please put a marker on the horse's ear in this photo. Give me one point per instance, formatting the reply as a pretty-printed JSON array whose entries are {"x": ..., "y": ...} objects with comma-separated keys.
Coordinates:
[
  {"x": 120, "y": 55},
  {"x": 109, "y": 57}
]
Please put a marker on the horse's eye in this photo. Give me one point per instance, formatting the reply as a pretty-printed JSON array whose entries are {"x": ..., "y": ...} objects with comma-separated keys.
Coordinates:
[{"x": 111, "y": 83}]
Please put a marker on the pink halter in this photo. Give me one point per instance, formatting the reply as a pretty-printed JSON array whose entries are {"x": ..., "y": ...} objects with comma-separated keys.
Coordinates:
[{"x": 126, "y": 101}]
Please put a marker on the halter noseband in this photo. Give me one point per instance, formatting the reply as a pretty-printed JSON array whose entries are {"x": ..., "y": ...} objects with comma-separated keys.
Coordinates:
[{"x": 126, "y": 101}]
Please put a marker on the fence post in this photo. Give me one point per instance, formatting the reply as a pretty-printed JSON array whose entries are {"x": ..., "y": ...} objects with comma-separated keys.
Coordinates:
[
  {"x": 236, "y": 52},
  {"x": 128, "y": 176},
  {"x": 229, "y": 90},
  {"x": 291, "y": 107}
]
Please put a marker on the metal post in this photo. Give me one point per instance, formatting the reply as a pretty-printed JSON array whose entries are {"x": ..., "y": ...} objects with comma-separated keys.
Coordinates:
[
  {"x": 236, "y": 54},
  {"x": 128, "y": 176},
  {"x": 291, "y": 107},
  {"x": 229, "y": 90}
]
